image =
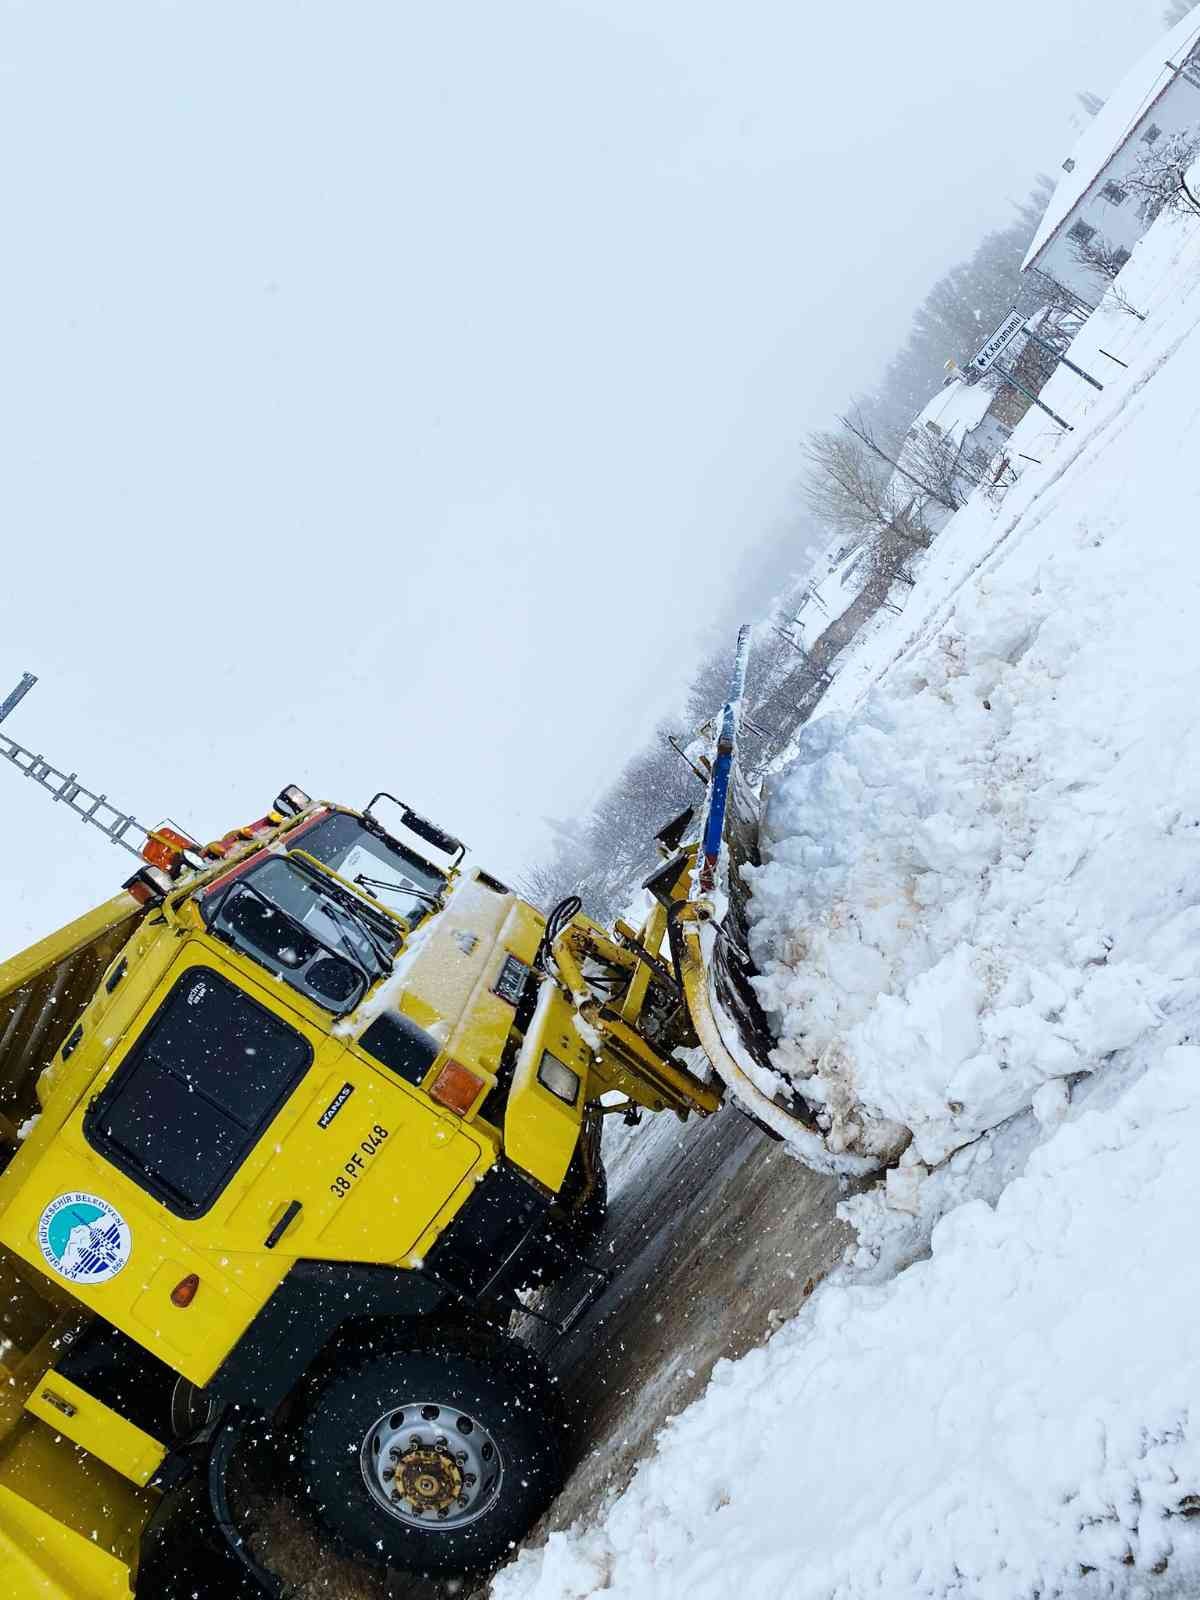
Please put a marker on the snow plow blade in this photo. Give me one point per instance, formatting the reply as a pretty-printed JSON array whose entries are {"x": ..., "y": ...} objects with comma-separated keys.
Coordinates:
[
  {"x": 710, "y": 939},
  {"x": 712, "y": 929}
]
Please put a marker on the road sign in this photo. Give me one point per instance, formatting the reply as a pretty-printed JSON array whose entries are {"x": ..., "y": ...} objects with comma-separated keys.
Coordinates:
[{"x": 998, "y": 342}]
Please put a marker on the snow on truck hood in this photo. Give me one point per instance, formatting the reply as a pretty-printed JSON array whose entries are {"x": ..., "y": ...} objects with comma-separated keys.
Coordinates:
[{"x": 441, "y": 962}]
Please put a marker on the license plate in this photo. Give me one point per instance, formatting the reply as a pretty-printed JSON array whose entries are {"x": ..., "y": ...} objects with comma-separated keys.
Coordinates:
[{"x": 510, "y": 985}]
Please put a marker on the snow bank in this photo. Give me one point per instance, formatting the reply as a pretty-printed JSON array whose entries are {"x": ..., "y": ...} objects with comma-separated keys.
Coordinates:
[
  {"x": 994, "y": 1421},
  {"x": 983, "y": 885},
  {"x": 983, "y": 880}
]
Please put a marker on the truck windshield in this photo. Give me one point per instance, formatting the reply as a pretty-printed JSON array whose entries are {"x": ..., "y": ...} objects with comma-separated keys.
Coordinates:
[
  {"x": 304, "y": 931},
  {"x": 398, "y": 878}
]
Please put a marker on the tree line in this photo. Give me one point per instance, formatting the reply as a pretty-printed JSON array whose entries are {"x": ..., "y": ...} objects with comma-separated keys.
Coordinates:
[
  {"x": 867, "y": 483},
  {"x": 846, "y": 490}
]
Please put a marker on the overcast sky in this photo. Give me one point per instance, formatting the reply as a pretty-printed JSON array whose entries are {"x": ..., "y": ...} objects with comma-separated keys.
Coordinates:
[{"x": 388, "y": 390}]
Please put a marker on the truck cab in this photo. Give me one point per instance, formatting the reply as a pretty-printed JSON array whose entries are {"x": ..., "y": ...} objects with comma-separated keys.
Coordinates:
[{"x": 317, "y": 1091}]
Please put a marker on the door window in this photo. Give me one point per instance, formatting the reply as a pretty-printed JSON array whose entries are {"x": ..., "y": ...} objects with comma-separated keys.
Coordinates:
[{"x": 197, "y": 1090}]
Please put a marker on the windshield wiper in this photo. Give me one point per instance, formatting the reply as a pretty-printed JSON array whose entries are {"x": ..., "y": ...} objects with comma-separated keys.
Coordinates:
[
  {"x": 343, "y": 919},
  {"x": 344, "y": 907},
  {"x": 404, "y": 888}
]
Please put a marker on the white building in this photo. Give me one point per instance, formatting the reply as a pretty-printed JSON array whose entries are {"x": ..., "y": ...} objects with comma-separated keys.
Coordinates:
[
  {"x": 1160, "y": 97},
  {"x": 948, "y": 445},
  {"x": 963, "y": 414}
]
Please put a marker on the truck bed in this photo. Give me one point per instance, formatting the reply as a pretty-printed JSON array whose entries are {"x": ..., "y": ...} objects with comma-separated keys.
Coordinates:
[{"x": 42, "y": 991}]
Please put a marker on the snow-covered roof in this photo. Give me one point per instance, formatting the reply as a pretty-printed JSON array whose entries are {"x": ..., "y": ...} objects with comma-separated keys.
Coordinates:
[
  {"x": 1111, "y": 127},
  {"x": 955, "y": 409}
]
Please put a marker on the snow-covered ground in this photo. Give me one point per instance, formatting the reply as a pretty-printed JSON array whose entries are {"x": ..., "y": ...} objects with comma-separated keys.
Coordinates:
[
  {"x": 979, "y": 925},
  {"x": 829, "y": 597},
  {"x": 980, "y": 875},
  {"x": 989, "y": 1423}
]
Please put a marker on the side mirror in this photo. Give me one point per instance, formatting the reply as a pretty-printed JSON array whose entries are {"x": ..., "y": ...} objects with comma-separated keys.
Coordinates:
[{"x": 421, "y": 826}]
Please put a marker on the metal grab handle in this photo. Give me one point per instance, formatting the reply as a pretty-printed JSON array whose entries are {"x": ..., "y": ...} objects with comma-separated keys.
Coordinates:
[{"x": 295, "y": 1207}]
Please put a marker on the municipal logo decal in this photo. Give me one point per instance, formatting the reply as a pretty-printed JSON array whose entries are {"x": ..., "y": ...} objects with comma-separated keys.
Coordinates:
[{"x": 83, "y": 1238}]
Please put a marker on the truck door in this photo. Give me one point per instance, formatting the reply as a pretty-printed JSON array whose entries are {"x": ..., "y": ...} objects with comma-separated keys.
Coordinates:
[{"x": 215, "y": 1152}]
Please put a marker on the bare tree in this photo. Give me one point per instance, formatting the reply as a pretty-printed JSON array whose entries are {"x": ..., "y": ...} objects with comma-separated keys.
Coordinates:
[
  {"x": 844, "y": 483},
  {"x": 938, "y": 460},
  {"x": 1068, "y": 308},
  {"x": 889, "y": 559},
  {"x": 862, "y": 430},
  {"x": 709, "y": 685},
  {"x": 1121, "y": 300},
  {"x": 1100, "y": 256},
  {"x": 1159, "y": 179}
]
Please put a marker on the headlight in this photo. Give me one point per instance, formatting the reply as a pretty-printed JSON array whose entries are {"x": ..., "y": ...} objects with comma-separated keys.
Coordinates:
[{"x": 558, "y": 1078}]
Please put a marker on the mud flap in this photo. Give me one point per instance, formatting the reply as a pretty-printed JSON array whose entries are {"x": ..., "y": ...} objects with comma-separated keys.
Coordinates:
[{"x": 191, "y": 1549}]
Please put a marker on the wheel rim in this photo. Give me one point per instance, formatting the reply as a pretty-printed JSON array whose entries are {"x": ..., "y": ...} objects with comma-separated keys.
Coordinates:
[{"x": 432, "y": 1466}]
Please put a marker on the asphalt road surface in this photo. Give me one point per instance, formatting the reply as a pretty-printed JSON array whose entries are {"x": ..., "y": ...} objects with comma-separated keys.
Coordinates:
[{"x": 718, "y": 1235}]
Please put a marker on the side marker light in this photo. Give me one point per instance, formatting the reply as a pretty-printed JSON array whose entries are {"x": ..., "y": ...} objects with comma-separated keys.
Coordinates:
[
  {"x": 455, "y": 1088},
  {"x": 184, "y": 1291}
]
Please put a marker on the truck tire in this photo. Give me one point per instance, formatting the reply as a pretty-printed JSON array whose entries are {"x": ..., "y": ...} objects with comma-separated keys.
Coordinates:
[{"x": 433, "y": 1458}]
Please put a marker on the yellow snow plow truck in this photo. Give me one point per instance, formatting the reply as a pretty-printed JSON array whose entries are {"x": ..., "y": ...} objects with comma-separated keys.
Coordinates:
[{"x": 285, "y": 1128}]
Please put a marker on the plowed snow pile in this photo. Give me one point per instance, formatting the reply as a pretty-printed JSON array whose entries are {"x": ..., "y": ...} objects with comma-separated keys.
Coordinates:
[
  {"x": 982, "y": 902},
  {"x": 985, "y": 880}
]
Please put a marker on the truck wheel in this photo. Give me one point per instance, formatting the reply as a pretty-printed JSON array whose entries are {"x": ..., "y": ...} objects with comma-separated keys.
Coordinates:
[{"x": 434, "y": 1459}]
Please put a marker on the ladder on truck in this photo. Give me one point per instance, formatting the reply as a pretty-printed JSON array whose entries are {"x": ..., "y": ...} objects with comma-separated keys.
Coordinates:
[{"x": 119, "y": 827}]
